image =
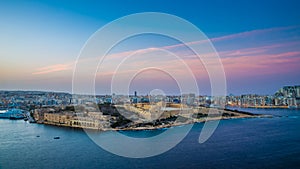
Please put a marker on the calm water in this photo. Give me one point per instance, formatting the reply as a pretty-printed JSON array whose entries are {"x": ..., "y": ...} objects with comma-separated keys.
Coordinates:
[{"x": 241, "y": 143}]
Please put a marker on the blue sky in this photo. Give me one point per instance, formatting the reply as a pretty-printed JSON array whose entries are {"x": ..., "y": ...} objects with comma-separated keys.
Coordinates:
[{"x": 39, "y": 34}]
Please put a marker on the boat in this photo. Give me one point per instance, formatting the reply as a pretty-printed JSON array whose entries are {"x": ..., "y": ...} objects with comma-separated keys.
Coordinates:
[
  {"x": 16, "y": 117},
  {"x": 56, "y": 137},
  {"x": 13, "y": 114},
  {"x": 3, "y": 114},
  {"x": 293, "y": 107}
]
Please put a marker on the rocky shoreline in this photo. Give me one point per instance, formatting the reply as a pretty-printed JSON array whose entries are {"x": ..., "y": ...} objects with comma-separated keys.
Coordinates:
[{"x": 242, "y": 114}]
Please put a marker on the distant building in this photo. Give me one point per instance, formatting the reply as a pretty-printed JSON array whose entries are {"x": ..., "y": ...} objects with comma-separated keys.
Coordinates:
[{"x": 289, "y": 91}]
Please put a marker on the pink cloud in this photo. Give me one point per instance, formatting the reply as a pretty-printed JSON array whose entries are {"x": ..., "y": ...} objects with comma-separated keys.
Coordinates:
[
  {"x": 247, "y": 62},
  {"x": 53, "y": 68},
  {"x": 247, "y": 53},
  {"x": 222, "y": 38},
  {"x": 262, "y": 64},
  {"x": 240, "y": 62}
]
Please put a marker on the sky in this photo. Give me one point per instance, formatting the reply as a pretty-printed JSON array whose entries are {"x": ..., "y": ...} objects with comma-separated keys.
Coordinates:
[{"x": 258, "y": 43}]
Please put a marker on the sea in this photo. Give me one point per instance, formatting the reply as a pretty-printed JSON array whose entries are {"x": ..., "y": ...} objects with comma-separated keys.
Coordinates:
[{"x": 236, "y": 143}]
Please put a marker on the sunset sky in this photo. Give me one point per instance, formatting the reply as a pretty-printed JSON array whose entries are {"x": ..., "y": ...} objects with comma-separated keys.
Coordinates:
[{"x": 258, "y": 43}]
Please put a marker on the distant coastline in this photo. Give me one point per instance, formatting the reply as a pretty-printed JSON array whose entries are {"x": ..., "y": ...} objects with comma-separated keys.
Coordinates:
[{"x": 142, "y": 112}]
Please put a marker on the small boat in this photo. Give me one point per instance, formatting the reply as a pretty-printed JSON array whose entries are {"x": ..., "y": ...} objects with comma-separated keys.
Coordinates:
[
  {"x": 16, "y": 117},
  {"x": 292, "y": 107},
  {"x": 13, "y": 114},
  {"x": 56, "y": 137}
]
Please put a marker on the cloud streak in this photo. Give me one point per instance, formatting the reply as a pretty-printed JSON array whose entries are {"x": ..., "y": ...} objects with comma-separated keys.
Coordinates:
[
  {"x": 240, "y": 57},
  {"x": 53, "y": 68}
]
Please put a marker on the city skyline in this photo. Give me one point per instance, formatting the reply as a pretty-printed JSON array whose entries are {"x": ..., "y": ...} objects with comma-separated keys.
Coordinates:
[{"x": 259, "y": 48}]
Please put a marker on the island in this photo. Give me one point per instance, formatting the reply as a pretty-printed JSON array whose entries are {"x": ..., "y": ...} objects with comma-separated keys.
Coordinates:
[{"x": 132, "y": 116}]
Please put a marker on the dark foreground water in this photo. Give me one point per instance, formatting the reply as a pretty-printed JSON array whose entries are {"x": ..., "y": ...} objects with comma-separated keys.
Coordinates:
[{"x": 240, "y": 143}]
